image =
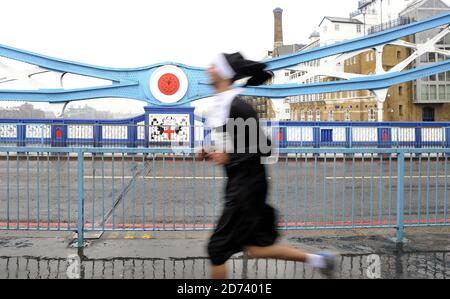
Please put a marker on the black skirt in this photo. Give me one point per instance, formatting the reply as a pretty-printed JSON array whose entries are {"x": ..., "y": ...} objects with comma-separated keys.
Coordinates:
[{"x": 246, "y": 219}]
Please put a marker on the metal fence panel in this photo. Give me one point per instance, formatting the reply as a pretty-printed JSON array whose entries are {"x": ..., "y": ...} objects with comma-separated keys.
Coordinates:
[{"x": 99, "y": 189}]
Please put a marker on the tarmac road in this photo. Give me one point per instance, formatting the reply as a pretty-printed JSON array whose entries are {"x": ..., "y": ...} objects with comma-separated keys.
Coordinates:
[{"x": 172, "y": 194}]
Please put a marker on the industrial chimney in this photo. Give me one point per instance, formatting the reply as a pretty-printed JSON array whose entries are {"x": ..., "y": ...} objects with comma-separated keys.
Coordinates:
[{"x": 278, "y": 40}]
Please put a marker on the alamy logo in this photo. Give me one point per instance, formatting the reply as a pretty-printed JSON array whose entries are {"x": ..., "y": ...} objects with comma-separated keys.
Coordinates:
[
  {"x": 241, "y": 136},
  {"x": 74, "y": 268},
  {"x": 374, "y": 266}
]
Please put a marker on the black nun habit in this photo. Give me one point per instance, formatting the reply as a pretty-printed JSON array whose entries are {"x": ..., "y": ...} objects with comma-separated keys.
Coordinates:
[{"x": 247, "y": 220}]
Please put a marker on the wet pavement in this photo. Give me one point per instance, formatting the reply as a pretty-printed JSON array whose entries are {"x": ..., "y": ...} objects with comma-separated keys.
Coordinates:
[{"x": 364, "y": 254}]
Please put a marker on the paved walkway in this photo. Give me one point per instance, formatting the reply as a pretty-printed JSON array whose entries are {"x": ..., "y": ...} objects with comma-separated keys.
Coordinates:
[{"x": 364, "y": 254}]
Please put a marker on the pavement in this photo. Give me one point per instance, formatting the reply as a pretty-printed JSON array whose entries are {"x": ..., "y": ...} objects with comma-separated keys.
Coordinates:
[{"x": 363, "y": 253}]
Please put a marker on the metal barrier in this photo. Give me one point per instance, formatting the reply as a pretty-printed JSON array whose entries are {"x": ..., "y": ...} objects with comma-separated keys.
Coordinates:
[
  {"x": 364, "y": 135},
  {"x": 99, "y": 189},
  {"x": 136, "y": 133}
]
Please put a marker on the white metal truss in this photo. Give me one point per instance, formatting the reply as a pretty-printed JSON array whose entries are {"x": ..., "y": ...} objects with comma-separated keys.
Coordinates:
[
  {"x": 10, "y": 74},
  {"x": 330, "y": 67}
]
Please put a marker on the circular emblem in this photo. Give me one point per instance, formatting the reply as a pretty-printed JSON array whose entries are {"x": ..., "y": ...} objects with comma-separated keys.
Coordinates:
[{"x": 168, "y": 84}]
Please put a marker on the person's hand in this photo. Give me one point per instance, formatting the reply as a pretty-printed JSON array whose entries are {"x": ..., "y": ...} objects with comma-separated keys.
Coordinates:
[{"x": 219, "y": 158}]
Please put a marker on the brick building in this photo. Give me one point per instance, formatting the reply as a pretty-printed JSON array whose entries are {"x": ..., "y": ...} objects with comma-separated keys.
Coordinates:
[{"x": 423, "y": 100}]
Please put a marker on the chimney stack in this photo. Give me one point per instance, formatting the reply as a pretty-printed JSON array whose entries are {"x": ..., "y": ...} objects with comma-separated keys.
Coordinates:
[{"x": 278, "y": 40}]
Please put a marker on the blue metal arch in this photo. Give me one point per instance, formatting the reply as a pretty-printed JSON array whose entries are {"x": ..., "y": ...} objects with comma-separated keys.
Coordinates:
[
  {"x": 133, "y": 83},
  {"x": 357, "y": 44},
  {"x": 364, "y": 83}
]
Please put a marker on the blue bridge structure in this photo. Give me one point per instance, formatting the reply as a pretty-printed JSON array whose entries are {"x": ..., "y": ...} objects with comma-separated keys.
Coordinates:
[
  {"x": 109, "y": 175},
  {"x": 138, "y": 83},
  {"x": 135, "y": 132}
]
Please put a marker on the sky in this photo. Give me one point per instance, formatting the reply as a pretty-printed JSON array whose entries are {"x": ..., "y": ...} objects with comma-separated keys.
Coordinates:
[{"x": 137, "y": 33}]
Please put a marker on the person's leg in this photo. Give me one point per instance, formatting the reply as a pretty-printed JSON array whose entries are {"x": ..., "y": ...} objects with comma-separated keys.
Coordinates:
[
  {"x": 219, "y": 272},
  {"x": 326, "y": 262},
  {"x": 277, "y": 252}
]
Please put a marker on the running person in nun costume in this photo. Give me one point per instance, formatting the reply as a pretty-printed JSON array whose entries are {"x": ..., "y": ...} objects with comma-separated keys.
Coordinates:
[{"x": 248, "y": 223}]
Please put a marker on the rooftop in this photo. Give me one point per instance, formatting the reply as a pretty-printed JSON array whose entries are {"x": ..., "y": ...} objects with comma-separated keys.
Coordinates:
[
  {"x": 436, "y": 4},
  {"x": 277, "y": 10},
  {"x": 341, "y": 20},
  {"x": 314, "y": 34}
]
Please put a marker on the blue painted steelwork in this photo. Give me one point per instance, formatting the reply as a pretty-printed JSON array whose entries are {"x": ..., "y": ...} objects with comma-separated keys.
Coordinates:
[
  {"x": 80, "y": 227},
  {"x": 353, "y": 45},
  {"x": 134, "y": 83},
  {"x": 177, "y": 195},
  {"x": 400, "y": 196},
  {"x": 363, "y": 83},
  {"x": 447, "y": 137},
  {"x": 126, "y": 83},
  {"x": 288, "y": 134}
]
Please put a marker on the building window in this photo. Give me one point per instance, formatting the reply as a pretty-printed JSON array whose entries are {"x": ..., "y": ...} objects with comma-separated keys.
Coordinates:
[
  {"x": 317, "y": 115},
  {"x": 400, "y": 90},
  {"x": 358, "y": 28},
  {"x": 424, "y": 58},
  {"x": 431, "y": 57},
  {"x": 433, "y": 92},
  {"x": 347, "y": 115},
  {"x": 302, "y": 115},
  {"x": 330, "y": 115},
  {"x": 337, "y": 27},
  {"x": 400, "y": 110},
  {"x": 310, "y": 115},
  {"x": 399, "y": 55},
  {"x": 424, "y": 92},
  {"x": 428, "y": 114},
  {"x": 441, "y": 92},
  {"x": 371, "y": 114}
]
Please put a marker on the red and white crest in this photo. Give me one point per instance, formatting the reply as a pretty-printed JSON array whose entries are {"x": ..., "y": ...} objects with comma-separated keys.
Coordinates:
[{"x": 169, "y": 84}]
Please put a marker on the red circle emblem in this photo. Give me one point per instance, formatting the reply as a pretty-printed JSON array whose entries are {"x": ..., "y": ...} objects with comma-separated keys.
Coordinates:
[
  {"x": 169, "y": 84},
  {"x": 58, "y": 134}
]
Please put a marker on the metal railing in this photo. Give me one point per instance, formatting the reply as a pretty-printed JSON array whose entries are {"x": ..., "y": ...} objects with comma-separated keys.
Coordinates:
[
  {"x": 99, "y": 189},
  {"x": 390, "y": 24},
  {"x": 288, "y": 134}
]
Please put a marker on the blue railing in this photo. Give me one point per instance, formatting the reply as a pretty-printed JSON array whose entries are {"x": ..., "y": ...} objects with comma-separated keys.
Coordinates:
[
  {"x": 100, "y": 189},
  {"x": 364, "y": 134},
  {"x": 73, "y": 132},
  {"x": 136, "y": 132}
]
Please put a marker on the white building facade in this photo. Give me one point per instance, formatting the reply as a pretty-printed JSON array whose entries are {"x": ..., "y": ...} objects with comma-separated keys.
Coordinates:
[{"x": 377, "y": 12}]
